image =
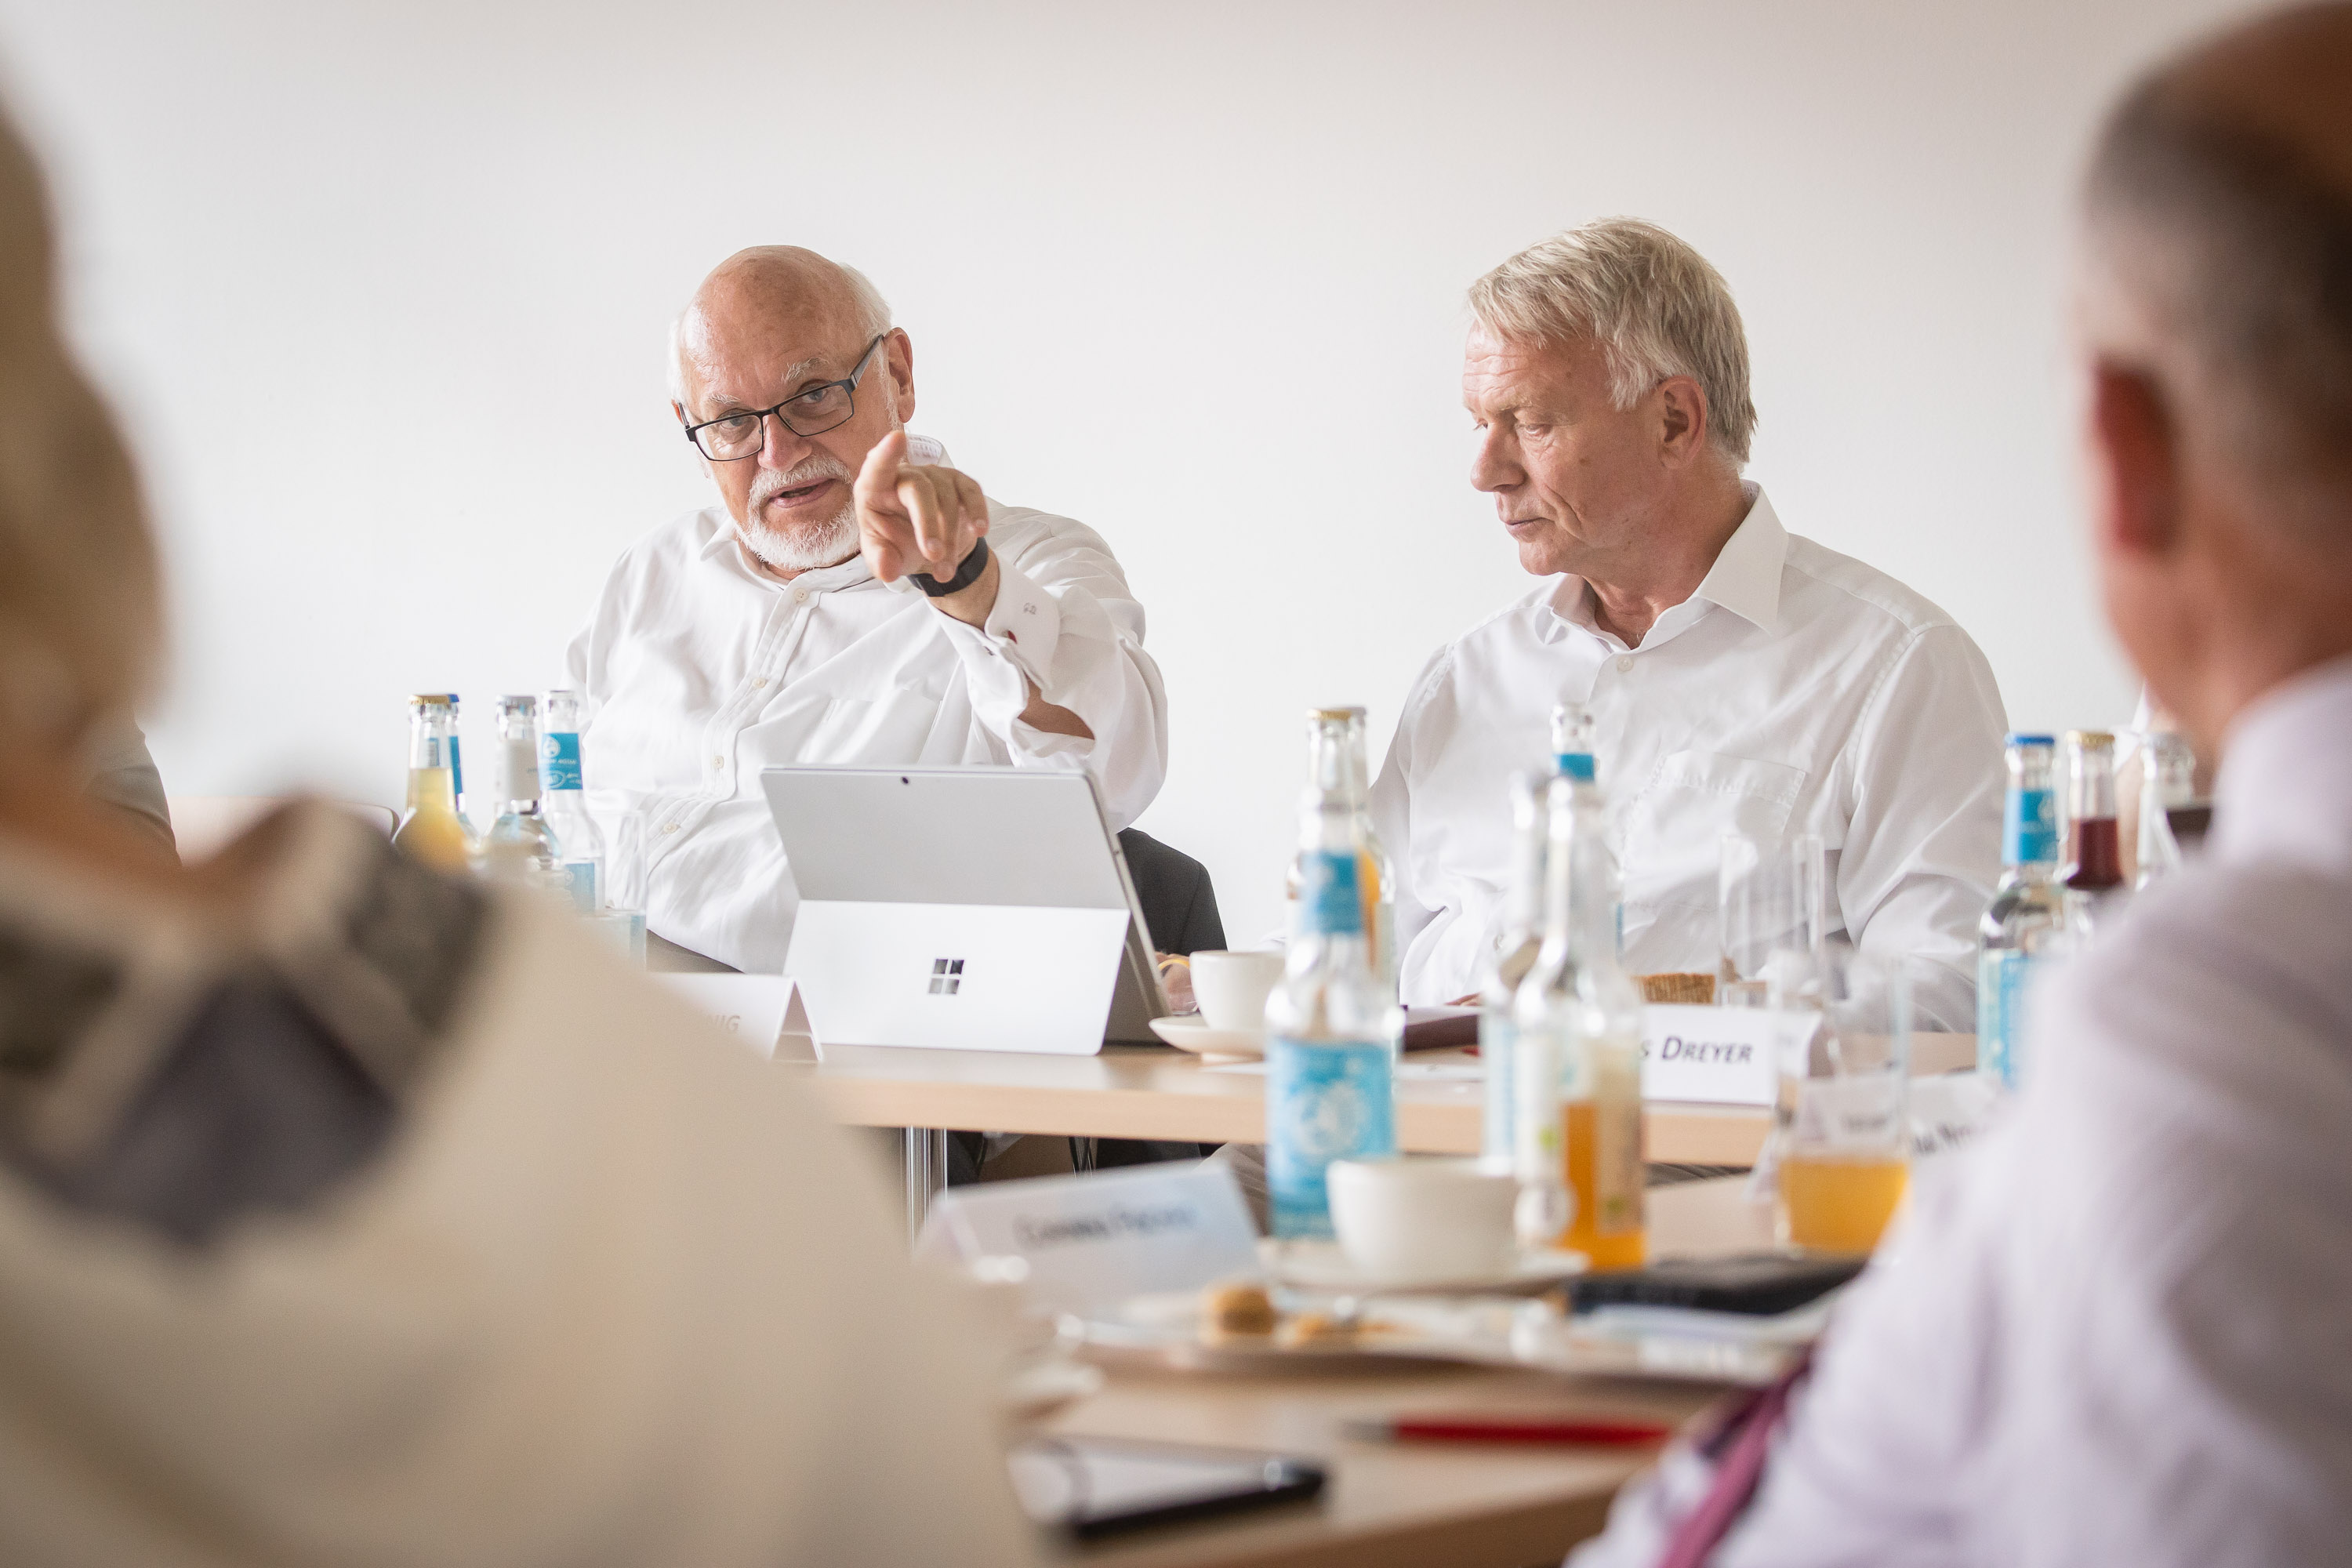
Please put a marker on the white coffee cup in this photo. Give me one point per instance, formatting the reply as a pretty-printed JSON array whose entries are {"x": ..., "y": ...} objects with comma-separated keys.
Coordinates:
[
  {"x": 1407, "y": 1219},
  {"x": 1232, "y": 988}
]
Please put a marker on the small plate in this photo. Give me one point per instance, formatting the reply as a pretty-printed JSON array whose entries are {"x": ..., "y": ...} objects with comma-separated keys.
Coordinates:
[
  {"x": 1321, "y": 1266},
  {"x": 1040, "y": 1386},
  {"x": 1189, "y": 1033}
]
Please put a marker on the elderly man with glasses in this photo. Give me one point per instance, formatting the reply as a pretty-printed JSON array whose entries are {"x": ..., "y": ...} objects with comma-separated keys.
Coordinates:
[{"x": 852, "y": 598}]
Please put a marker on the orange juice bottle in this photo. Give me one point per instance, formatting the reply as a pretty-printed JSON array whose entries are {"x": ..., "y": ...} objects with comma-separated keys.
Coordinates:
[
  {"x": 1577, "y": 1081},
  {"x": 430, "y": 828}
]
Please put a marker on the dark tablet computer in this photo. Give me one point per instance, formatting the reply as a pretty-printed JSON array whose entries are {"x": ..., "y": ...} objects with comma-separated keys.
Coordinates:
[{"x": 1093, "y": 1486}]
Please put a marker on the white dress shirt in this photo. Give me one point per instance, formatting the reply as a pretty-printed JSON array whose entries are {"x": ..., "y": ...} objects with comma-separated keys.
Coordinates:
[
  {"x": 706, "y": 670},
  {"x": 2116, "y": 1332},
  {"x": 1797, "y": 691}
]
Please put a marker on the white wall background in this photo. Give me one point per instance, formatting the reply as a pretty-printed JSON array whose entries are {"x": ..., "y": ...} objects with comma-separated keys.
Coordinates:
[{"x": 381, "y": 292}]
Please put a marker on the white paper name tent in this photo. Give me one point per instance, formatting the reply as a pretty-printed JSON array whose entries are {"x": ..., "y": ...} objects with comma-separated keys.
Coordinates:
[
  {"x": 1718, "y": 1056},
  {"x": 1093, "y": 1241},
  {"x": 974, "y": 909},
  {"x": 753, "y": 1008}
]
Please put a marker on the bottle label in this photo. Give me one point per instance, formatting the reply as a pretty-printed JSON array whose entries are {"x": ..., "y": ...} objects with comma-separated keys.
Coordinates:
[
  {"x": 1329, "y": 900},
  {"x": 456, "y": 769},
  {"x": 2005, "y": 979},
  {"x": 2029, "y": 832},
  {"x": 581, "y": 879},
  {"x": 1325, "y": 1101},
  {"x": 559, "y": 760}
]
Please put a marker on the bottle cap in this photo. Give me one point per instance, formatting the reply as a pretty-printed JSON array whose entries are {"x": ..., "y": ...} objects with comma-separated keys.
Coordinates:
[
  {"x": 2091, "y": 739},
  {"x": 2018, "y": 738}
]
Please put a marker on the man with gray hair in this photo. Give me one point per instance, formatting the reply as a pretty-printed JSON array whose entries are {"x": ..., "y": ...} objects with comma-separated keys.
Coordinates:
[
  {"x": 852, "y": 598},
  {"x": 1741, "y": 678},
  {"x": 2114, "y": 1331}
]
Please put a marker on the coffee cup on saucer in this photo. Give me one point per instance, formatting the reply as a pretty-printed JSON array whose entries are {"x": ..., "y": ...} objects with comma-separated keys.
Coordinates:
[
  {"x": 1407, "y": 1219},
  {"x": 1232, "y": 988}
]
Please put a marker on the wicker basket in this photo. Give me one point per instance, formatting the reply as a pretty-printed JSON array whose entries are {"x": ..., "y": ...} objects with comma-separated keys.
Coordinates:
[{"x": 1686, "y": 989}]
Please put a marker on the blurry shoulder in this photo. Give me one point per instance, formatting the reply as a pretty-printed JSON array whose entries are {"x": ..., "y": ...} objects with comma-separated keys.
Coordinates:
[
  {"x": 2223, "y": 989},
  {"x": 1816, "y": 580}
]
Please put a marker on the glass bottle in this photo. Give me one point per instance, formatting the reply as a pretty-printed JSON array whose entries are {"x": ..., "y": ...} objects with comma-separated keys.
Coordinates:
[
  {"x": 2097, "y": 868},
  {"x": 565, "y": 804},
  {"x": 1580, "y": 1064},
  {"x": 2168, "y": 773},
  {"x": 430, "y": 828},
  {"x": 2025, "y": 926},
  {"x": 1336, "y": 753},
  {"x": 1516, "y": 948},
  {"x": 1572, "y": 740},
  {"x": 520, "y": 846},
  {"x": 1332, "y": 1026},
  {"x": 458, "y": 771}
]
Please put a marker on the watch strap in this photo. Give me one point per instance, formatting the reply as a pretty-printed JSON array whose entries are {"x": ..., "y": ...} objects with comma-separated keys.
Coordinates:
[{"x": 965, "y": 576}]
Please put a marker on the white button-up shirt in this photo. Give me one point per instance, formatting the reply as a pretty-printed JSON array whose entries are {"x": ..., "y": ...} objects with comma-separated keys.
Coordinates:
[
  {"x": 705, "y": 671},
  {"x": 2116, "y": 1332},
  {"x": 1797, "y": 691}
]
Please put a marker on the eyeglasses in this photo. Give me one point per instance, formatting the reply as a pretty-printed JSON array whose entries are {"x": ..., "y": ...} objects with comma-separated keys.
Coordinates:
[{"x": 826, "y": 407}]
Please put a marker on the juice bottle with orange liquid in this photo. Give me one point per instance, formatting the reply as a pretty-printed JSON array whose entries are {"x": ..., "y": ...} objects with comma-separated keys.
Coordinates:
[
  {"x": 1579, "y": 1077},
  {"x": 430, "y": 828}
]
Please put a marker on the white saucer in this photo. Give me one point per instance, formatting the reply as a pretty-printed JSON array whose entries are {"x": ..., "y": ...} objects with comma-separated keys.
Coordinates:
[
  {"x": 1321, "y": 1266},
  {"x": 1049, "y": 1384},
  {"x": 1189, "y": 1033}
]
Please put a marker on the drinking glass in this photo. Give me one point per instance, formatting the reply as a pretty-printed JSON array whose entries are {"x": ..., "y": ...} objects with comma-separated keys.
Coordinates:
[
  {"x": 1842, "y": 1127},
  {"x": 622, "y": 918},
  {"x": 1768, "y": 910}
]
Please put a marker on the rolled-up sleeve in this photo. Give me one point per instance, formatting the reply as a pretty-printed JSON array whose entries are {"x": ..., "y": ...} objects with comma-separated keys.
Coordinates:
[
  {"x": 1924, "y": 799},
  {"x": 1066, "y": 621}
]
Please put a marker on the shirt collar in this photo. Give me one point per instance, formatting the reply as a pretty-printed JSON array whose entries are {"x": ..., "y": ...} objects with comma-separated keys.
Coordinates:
[
  {"x": 2284, "y": 790},
  {"x": 1745, "y": 578}
]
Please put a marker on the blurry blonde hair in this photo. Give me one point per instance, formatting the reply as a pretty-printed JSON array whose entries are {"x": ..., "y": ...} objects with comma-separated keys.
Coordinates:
[
  {"x": 1654, "y": 304},
  {"x": 81, "y": 598}
]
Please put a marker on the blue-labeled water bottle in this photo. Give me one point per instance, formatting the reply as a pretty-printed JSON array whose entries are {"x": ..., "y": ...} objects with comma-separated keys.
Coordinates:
[
  {"x": 2026, "y": 926},
  {"x": 1332, "y": 1026},
  {"x": 566, "y": 801}
]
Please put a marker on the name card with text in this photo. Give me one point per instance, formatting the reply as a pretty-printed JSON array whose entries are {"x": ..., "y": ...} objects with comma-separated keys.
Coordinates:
[
  {"x": 1096, "y": 1239},
  {"x": 750, "y": 1007},
  {"x": 1721, "y": 1055}
]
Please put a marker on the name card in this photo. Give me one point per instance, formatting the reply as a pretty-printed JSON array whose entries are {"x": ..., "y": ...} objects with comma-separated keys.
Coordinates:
[
  {"x": 1096, "y": 1239},
  {"x": 750, "y": 1007},
  {"x": 1720, "y": 1056},
  {"x": 1949, "y": 1110}
]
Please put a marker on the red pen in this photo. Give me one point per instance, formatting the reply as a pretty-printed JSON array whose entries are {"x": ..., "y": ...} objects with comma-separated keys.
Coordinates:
[{"x": 1475, "y": 1428}]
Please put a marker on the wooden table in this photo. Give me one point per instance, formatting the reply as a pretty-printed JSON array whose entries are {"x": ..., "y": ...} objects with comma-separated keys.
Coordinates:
[
  {"x": 1420, "y": 1504},
  {"x": 1150, "y": 1091}
]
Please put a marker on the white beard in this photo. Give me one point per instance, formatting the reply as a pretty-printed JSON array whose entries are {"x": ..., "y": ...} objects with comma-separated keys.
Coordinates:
[{"x": 812, "y": 545}]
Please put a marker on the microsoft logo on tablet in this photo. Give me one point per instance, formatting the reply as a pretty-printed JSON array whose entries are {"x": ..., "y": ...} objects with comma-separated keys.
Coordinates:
[{"x": 947, "y": 976}]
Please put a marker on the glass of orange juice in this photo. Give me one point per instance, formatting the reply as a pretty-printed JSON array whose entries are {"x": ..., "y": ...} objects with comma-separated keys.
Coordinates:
[{"x": 1842, "y": 1125}]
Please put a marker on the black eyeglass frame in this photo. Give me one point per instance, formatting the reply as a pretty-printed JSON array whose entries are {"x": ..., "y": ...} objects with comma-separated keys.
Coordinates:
[{"x": 849, "y": 385}]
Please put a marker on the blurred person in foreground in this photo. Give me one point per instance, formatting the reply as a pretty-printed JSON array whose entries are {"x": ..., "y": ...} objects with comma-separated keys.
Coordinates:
[
  {"x": 1741, "y": 678},
  {"x": 851, "y": 597},
  {"x": 2116, "y": 1332},
  {"x": 349, "y": 1213}
]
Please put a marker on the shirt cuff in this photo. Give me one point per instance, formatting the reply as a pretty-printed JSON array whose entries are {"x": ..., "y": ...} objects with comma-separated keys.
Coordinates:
[{"x": 1026, "y": 623}]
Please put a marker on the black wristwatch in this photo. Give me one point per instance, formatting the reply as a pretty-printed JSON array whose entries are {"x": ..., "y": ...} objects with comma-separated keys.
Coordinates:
[{"x": 966, "y": 575}]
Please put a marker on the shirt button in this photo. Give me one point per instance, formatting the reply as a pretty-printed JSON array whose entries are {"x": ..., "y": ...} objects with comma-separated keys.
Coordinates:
[
  {"x": 669, "y": 828},
  {"x": 800, "y": 595},
  {"x": 759, "y": 683},
  {"x": 718, "y": 761},
  {"x": 1624, "y": 663}
]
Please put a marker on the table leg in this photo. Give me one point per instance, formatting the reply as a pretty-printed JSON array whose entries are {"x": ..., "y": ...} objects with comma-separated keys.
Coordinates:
[{"x": 927, "y": 1174}]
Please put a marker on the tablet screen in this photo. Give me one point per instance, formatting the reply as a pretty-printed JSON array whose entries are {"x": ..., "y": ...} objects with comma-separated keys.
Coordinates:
[{"x": 1093, "y": 1486}]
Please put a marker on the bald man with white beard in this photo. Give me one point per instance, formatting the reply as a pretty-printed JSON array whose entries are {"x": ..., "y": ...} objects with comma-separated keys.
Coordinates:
[{"x": 851, "y": 598}]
